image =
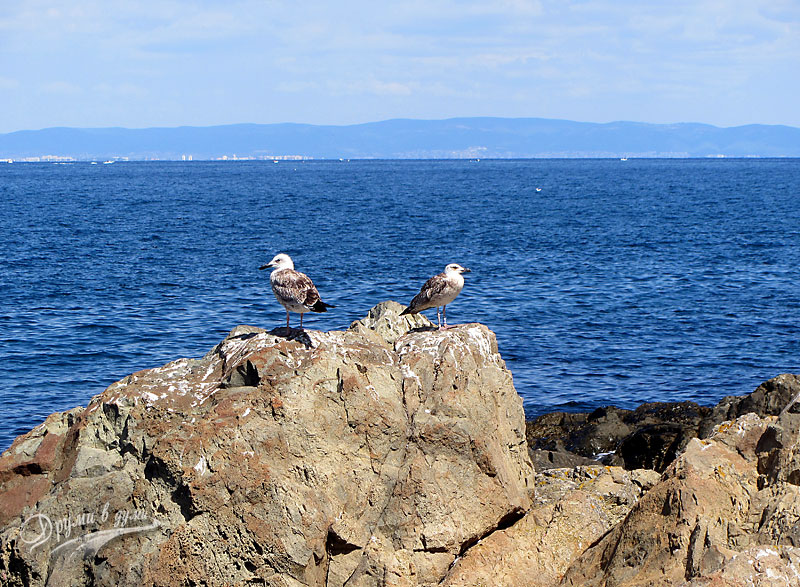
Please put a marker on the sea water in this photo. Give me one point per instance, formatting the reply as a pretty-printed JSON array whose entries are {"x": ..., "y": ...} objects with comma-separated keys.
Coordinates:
[{"x": 606, "y": 281}]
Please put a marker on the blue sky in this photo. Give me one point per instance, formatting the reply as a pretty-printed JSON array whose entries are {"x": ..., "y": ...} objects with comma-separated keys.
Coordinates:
[{"x": 90, "y": 63}]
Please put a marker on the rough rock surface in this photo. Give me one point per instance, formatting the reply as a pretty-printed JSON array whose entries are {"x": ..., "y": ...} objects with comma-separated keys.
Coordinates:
[
  {"x": 574, "y": 508},
  {"x": 725, "y": 513},
  {"x": 769, "y": 399},
  {"x": 374, "y": 456}
]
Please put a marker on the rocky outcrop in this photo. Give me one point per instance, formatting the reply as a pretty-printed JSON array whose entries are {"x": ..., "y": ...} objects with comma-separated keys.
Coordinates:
[
  {"x": 652, "y": 435},
  {"x": 574, "y": 508},
  {"x": 374, "y": 456},
  {"x": 725, "y": 513}
]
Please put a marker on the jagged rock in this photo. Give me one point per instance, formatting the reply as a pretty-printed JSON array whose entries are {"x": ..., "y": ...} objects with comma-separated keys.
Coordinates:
[
  {"x": 574, "y": 508},
  {"x": 769, "y": 399},
  {"x": 651, "y": 435},
  {"x": 385, "y": 321},
  {"x": 288, "y": 458},
  {"x": 725, "y": 513}
]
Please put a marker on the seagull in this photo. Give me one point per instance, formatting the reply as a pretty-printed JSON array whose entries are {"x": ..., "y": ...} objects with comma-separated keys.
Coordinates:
[
  {"x": 438, "y": 291},
  {"x": 294, "y": 290}
]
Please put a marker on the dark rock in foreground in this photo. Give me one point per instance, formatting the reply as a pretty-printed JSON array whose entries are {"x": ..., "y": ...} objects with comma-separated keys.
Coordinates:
[{"x": 649, "y": 437}]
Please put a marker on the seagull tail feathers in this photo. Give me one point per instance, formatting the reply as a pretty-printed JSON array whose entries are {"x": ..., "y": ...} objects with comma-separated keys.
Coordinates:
[
  {"x": 407, "y": 311},
  {"x": 321, "y": 306}
]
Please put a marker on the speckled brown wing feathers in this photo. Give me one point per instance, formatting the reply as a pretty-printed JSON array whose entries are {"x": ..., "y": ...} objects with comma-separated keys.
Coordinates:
[
  {"x": 296, "y": 287},
  {"x": 430, "y": 290}
]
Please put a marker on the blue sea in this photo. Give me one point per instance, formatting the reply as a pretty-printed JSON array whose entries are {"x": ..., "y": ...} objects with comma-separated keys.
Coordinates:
[{"x": 607, "y": 282}]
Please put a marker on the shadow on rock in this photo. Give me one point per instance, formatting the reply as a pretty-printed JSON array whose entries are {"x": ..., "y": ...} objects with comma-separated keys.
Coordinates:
[
  {"x": 295, "y": 334},
  {"x": 424, "y": 329}
]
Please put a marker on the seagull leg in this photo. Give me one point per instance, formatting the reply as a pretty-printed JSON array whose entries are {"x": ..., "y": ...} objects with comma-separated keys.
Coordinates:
[
  {"x": 301, "y": 321},
  {"x": 439, "y": 317},
  {"x": 287, "y": 319},
  {"x": 444, "y": 313}
]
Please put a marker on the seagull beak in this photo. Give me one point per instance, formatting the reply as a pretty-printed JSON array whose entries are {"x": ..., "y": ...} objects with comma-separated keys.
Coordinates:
[
  {"x": 267, "y": 266},
  {"x": 466, "y": 270}
]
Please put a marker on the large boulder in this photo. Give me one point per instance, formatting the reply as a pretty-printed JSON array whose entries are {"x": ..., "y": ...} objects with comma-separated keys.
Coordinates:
[{"x": 373, "y": 456}]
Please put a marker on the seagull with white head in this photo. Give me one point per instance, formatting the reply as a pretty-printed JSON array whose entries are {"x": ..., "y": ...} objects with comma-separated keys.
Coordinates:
[
  {"x": 294, "y": 290},
  {"x": 439, "y": 291}
]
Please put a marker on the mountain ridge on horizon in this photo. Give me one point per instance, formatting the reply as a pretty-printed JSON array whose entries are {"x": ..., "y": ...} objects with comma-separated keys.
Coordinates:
[{"x": 405, "y": 138}]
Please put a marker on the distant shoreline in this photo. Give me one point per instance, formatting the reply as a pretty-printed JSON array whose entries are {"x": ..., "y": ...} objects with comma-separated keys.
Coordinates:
[
  {"x": 456, "y": 138},
  {"x": 65, "y": 161}
]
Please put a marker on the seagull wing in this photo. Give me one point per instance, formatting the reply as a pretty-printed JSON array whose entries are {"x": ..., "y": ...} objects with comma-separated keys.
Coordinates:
[
  {"x": 432, "y": 289},
  {"x": 293, "y": 286}
]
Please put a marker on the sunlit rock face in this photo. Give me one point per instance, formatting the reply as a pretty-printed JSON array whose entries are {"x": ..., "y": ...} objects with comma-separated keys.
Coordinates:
[
  {"x": 724, "y": 513},
  {"x": 373, "y": 456}
]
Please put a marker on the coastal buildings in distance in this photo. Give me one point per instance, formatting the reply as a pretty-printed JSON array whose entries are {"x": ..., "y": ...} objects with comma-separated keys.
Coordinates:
[
  {"x": 234, "y": 157},
  {"x": 70, "y": 159}
]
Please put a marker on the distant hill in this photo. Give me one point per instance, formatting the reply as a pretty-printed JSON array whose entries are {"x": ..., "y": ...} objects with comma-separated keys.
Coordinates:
[{"x": 406, "y": 139}]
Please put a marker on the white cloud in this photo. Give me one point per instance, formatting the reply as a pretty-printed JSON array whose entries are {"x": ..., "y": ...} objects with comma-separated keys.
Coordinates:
[
  {"x": 501, "y": 59},
  {"x": 371, "y": 87},
  {"x": 297, "y": 86},
  {"x": 389, "y": 88},
  {"x": 61, "y": 88},
  {"x": 517, "y": 57},
  {"x": 9, "y": 84}
]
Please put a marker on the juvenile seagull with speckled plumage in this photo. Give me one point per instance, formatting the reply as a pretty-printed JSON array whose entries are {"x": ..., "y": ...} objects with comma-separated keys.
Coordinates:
[
  {"x": 294, "y": 290},
  {"x": 439, "y": 291}
]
